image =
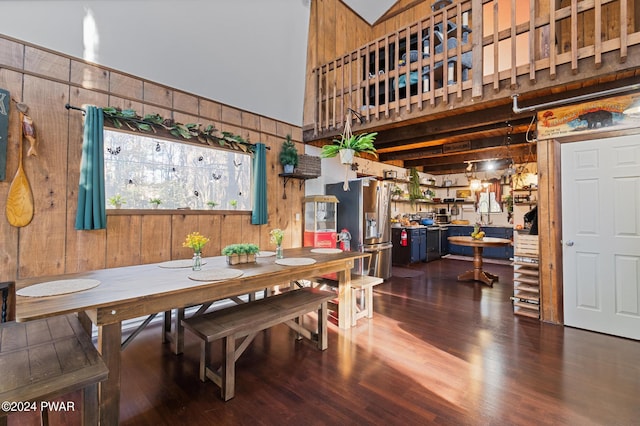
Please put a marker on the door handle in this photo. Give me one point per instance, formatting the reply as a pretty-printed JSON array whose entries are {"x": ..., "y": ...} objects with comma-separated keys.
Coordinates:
[{"x": 569, "y": 243}]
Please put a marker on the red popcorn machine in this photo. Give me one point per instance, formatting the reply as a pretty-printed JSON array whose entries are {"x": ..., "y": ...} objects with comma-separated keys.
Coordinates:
[{"x": 320, "y": 221}]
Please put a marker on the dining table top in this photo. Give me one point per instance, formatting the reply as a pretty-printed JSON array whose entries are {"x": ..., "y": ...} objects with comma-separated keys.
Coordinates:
[
  {"x": 483, "y": 242},
  {"x": 131, "y": 291}
]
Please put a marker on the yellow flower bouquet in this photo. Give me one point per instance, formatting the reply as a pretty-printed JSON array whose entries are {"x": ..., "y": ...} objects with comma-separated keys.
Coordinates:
[
  {"x": 276, "y": 236},
  {"x": 195, "y": 241}
]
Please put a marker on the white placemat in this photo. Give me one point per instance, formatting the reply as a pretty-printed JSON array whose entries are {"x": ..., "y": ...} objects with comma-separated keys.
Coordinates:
[
  {"x": 180, "y": 263},
  {"x": 215, "y": 274},
  {"x": 326, "y": 250},
  {"x": 265, "y": 253},
  {"x": 55, "y": 288},
  {"x": 295, "y": 261}
]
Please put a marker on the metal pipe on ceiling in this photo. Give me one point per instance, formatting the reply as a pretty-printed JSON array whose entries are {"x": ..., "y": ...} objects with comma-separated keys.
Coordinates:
[{"x": 579, "y": 98}]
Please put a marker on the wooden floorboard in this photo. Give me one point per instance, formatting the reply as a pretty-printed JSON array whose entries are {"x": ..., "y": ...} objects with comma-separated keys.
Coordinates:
[{"x": 437, "y": 351}]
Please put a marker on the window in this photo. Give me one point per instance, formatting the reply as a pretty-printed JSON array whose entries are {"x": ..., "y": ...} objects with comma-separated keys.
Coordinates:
[{"x": 141, "y": 168}]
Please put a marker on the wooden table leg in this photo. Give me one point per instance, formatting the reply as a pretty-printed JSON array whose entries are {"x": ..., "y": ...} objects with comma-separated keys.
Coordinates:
[
  {"x": 344, "y": 298},
  {"x": 109, "y": 341},
  {"x": 477, "y": 274}
]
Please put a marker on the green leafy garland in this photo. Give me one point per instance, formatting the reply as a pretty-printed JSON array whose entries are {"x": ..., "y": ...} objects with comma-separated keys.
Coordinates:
[{"x": 150, "y": 122}]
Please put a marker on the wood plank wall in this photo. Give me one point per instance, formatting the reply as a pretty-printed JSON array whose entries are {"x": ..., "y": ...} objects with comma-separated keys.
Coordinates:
[{"x": 46, "y": 81}]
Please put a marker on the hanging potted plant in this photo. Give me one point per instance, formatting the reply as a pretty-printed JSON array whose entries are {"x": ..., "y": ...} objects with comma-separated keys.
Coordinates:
[
  {"x": 350, "y": 145},
  {"x": 289, "y": 155}
]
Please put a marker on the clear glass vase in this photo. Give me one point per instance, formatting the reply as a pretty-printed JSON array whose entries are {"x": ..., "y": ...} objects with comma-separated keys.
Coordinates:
[
  {"x": 197, "y": 261},
  {"x": 279, "y": 252}
]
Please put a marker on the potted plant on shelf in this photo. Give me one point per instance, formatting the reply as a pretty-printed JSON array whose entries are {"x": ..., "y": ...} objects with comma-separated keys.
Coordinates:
[
  {"x": 155, "y": 202},
  {"x": 117, "y": 201},
  {"x": 350, "y": 145},
  {"x": 289, "y": 155},
  {"x": 211, "y": 204},
  {"x": 240, "y": 253}
]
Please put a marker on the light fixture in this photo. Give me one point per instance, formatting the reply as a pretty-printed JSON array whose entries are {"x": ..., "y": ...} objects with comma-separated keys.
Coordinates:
[
  {"x": 510, "y": 171},
  {"x": 475, "y": 184},
  {"x": 485, "y": 184}
]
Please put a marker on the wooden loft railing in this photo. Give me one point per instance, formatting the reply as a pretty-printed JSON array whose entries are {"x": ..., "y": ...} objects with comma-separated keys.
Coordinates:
[{"x": 405, "y": 71}]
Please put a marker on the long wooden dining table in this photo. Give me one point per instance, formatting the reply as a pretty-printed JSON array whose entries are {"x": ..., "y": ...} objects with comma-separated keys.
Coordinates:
[{"x": 135, "y": 291}]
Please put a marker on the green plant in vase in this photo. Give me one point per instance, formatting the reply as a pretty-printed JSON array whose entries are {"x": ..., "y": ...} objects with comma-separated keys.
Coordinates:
[
  {"x": 155, "y": 202},
  {"x": 117, "y": 201},
  {"x": 240, "y": 253},
  {"x": 289, "y": 155}
]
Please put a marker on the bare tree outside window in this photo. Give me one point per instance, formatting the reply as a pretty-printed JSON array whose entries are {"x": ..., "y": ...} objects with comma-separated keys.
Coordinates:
[{"x": 179, "y": 175}]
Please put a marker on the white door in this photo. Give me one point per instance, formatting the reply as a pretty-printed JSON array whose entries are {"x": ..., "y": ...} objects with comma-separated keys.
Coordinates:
[{"x": 601, "y": 235}]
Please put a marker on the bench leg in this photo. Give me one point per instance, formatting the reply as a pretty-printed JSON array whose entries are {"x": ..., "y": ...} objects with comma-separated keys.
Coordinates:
[
  {"x": 354, "y": 307},
  {"x": 90, "y": 405},
  {"x": 368, "y": 292},
  {"x": 322, "y": 327},
  {"x": 205, "y": 357},
  {"x": 228, "y": 373}
]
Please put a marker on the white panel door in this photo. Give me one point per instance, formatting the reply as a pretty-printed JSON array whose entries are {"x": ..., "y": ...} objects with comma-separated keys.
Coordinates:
[{"x": 601, "y": 235}]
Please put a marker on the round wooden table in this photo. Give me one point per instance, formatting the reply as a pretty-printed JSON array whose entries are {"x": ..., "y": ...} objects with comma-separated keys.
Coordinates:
[{"x": 477, "y": 274}]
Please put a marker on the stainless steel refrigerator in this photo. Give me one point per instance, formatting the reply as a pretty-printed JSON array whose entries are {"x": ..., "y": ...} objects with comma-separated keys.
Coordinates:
[{"x": 365, "y": 212}]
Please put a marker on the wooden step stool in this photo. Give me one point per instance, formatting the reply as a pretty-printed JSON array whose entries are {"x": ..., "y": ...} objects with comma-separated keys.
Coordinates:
[{"x": 362, "y": 285}]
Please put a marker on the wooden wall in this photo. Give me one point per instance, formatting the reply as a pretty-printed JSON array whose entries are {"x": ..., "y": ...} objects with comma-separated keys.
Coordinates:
[{"x": 45, "y": 81}]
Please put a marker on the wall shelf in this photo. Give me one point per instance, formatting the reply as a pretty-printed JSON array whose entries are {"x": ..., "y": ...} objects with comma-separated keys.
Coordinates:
[{"x": 288, "y": 176}]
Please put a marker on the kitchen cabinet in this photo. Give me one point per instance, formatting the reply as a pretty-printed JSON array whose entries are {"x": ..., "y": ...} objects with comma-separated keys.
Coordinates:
[
  {"x": 458, "y": 231},
  {"x": 414, "y": 251},
  {"x": 433, "y": 244}
]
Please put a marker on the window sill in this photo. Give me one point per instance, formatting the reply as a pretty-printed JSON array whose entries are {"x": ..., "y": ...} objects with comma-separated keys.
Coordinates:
[{"x": 156, "y": 212}]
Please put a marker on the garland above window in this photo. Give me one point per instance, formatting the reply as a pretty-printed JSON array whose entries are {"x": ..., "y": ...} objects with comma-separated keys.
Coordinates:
[{"x": 154, "y": 122}]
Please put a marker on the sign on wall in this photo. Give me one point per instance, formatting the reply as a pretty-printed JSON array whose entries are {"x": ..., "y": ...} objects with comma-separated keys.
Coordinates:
[
  {"x": 621, "y": 112},
  {"x": 4, "y": 128}
]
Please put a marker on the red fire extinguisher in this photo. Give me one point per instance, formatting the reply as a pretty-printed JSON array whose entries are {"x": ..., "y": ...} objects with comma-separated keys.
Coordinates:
[
  {"x": 344, "y": 238},
  {"x": 403, "y": 238}
]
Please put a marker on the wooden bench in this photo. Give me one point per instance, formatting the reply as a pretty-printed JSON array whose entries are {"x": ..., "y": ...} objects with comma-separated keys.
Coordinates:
[
  {"x": 45, "y": 359},
  {"x": 246, "y": 320}
]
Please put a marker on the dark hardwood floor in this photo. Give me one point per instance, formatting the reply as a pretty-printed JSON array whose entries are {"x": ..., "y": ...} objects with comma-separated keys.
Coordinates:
[{"x": 437, "y": 351}]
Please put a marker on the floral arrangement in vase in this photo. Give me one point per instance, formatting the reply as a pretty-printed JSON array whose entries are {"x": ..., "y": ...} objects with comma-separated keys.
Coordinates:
[
  {"x": 276, "y": 236},
  {"x": 196, "y": 241}
]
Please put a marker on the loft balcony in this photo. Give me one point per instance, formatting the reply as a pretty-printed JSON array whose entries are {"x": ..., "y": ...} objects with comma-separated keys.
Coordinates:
[{"x": 471, "y": 57}]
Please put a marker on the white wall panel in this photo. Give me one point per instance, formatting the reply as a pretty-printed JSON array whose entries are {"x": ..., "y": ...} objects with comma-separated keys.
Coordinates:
[{"x": 250, "y": 54}]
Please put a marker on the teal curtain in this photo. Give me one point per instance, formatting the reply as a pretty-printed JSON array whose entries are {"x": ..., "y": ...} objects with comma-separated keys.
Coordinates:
[
  {"x": 259, "y": 174},
  {"x": 91, "y": 212}
]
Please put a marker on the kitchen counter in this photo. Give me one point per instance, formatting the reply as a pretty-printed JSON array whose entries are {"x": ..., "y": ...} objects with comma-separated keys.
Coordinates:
[{"x": 481, "y": 226}]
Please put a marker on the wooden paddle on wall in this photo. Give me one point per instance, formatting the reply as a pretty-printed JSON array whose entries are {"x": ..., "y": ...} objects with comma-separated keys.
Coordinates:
[{"x": 19, "y": 208}]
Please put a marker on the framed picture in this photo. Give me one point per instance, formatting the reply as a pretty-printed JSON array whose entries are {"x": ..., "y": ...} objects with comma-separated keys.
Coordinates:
[{"x": 463, "y": 193}]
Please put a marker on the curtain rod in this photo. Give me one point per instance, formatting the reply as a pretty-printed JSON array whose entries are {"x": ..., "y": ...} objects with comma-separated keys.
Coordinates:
[{"x": 68, "y": 106}]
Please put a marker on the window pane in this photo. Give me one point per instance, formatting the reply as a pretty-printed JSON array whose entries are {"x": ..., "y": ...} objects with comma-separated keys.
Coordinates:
[{"x": 180, "y": 175}]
